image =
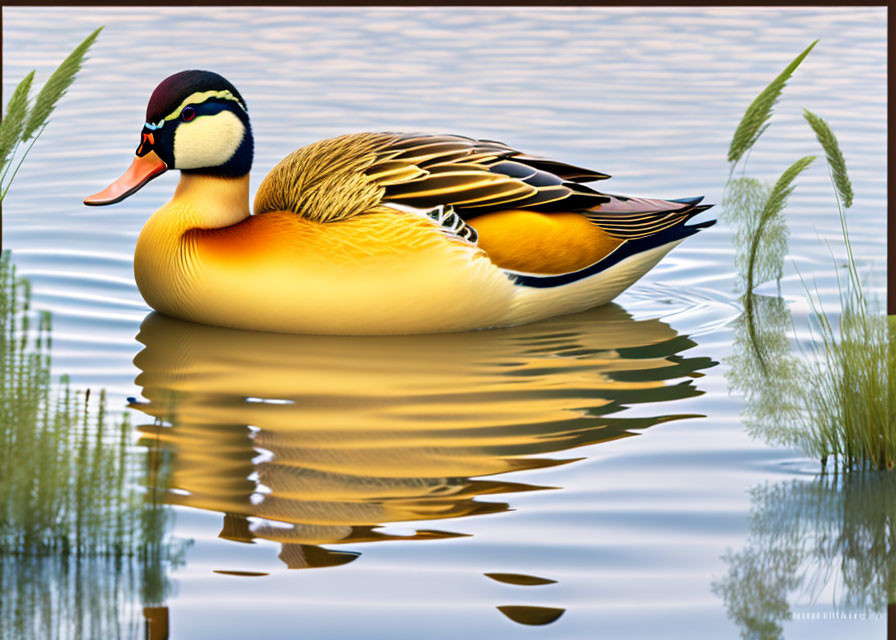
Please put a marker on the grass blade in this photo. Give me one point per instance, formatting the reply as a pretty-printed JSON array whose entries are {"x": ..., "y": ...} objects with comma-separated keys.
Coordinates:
[
  {"x": 755, "y": 120},
  {"x": 773, "y": 207},
  {"x": 12, "y": 124},
  {"x": 834, "y": 156},
  {"x": 842, "y": 185},
  {"x": 56, "y": 87}
]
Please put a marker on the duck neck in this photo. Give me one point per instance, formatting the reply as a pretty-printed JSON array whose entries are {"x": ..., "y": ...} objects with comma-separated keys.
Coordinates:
[
  {"x": 166, "y": 261},
  {"x": 208, "y": 202}
]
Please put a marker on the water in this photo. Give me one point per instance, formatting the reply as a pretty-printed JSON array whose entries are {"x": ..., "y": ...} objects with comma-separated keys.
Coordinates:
[{"x": 602, "y": 451}]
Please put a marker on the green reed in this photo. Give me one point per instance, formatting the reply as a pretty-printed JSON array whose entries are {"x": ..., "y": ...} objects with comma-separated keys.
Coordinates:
[
  {"x": 757, "y": 116},
  {"x": 67, "y": 465},
  {"x": 848, "y": 382},
  {"x": 773, "y": 210},
  {"x": 838, "y": 400},
  {"x": 849, "y": 373},
  {"x": 25, "y": 120},
  {"x": 757, "y": 209}
]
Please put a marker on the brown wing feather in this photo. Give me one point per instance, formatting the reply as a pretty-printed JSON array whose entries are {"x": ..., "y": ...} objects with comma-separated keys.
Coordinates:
[{"x": 476, "y": 176}]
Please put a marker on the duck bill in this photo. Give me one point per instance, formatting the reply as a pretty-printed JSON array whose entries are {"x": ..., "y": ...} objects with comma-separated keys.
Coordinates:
[{"x": 142, "y": 170}]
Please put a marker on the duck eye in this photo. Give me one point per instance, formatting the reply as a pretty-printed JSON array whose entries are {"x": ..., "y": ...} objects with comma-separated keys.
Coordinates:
[{"x": 188, "y": 114}]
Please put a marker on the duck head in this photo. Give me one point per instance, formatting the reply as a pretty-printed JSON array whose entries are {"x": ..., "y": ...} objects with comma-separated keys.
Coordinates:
[{"x": 197, "y": 122}]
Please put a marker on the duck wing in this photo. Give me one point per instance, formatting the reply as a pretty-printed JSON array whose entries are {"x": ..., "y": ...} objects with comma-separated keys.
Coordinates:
[
  {"x": 476, "y": 177},
  {"x": 342, "y": 177},
  {"x": 479, "y": 176}
]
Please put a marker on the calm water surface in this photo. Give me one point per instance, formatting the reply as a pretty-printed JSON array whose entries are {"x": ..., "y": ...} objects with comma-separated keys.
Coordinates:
[{"x": 587, "y": 476}]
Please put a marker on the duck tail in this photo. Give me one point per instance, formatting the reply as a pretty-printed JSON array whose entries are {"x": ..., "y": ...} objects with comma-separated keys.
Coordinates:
[{"x": 639, "y": 218}]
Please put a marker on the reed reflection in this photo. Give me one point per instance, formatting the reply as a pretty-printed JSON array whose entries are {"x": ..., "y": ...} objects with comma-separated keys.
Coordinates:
[
  {"x": 327, "y": 439},
  {"x": 765, "y": 370},
  {"x": 807, "y": 536}
]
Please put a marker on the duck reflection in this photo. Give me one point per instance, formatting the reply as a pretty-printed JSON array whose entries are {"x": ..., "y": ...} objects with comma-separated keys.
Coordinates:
[{"x": 325, "y": 439}]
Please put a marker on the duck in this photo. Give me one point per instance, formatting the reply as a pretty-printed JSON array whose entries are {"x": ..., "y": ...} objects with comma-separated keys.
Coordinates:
[{"x": 375, "y": 233}]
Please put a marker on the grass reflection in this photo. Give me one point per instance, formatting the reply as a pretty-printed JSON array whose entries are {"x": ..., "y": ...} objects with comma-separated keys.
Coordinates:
[
  {"x": 53, "y": 597},
  {"x": 327, "y": 439},
  {"x": 79, "y": 541},
  {"x": 764, "y": 369},
  {"x": 803, "y": 536}
]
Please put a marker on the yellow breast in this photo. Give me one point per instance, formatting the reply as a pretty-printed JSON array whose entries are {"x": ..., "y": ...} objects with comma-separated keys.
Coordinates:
[{"x": 384, "y": 272}]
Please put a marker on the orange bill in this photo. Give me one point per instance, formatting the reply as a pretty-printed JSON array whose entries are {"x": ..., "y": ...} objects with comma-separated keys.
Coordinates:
[{"x": 142, "y": 170}]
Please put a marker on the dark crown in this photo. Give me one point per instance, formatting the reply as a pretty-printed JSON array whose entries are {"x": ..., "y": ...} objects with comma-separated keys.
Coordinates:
[{"x": 174, "y": 89}]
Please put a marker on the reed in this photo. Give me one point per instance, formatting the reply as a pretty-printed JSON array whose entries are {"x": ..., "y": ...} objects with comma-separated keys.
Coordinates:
[
  {"x": 54, "y": 598},
  {"x": 25, "y": 121},
  {"x": 841, "y": 400},
  {"x": 849, "y": 403},
  {"x": 70, "y": 471},
  {"x": 849, "y": 375},
  {"x": 14, "y": 121},
  {"x": 79, "y": 542},
  {"x": 773, "y": 209},
  {"x": 756, "y": 117},
  {"x": 849, "y": 371},
  {"x": 836, "y": 163}
]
